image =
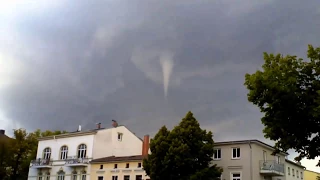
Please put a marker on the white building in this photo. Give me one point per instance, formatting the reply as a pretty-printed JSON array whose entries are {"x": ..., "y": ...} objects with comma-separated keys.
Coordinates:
[
  {"x": 294, "y": 170},
  {"x": 254, "y": 160},
  {"x": 67, "y": 156}
]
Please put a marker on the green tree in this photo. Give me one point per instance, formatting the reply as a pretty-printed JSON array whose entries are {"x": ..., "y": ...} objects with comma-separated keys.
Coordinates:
[
  {"x": 5, "y": 153},
  {"x": 287, "y": 91},
  {"x": 185, "y": 153},
  {"x": 16, "y": 153}
]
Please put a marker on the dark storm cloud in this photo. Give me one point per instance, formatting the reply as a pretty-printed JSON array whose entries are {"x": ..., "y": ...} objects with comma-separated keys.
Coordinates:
[{"x": 83, "y": 62}]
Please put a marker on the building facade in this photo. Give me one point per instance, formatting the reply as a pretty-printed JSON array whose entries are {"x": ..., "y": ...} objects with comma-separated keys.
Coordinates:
[
  {"x": 294, "y": 170},
  {"x": 67, "y": 156},
  {"x": 310, "y": 175},
  {"x": 121, "y": 167},
  {"x": 249, "y": 160}
]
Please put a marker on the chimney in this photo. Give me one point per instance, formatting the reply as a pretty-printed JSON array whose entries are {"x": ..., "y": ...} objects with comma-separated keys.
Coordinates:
[
  {"x": 145, "y": 145},
  {"x": 114, "y": 123},
  {"x": 79, "y": 128},
  {"x": 98, "y": 125},
  {"x": 2, "y": 131}
]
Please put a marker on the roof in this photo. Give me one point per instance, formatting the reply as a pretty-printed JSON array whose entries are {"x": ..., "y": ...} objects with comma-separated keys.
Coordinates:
[
  {"x": 312, "y": 171},
  {"x": 118, "y": 159},
  {"x": 81, "y": 133},
  {"x": 294, "y": 163},
  {"x": 247, "y": 142}
]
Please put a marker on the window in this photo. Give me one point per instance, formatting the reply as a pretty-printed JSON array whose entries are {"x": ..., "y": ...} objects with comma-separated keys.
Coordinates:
[
  {"x": 288, "y": 170},
  {"x": 40, "y": 178},
  {"x": 277, "y": 158},
  {"x": 83, "y": 177},
  {"x": 139, "y": 165},
  {"x": 101, "y": 166},
  {"x": 120, "y": 136},
  {"x": 100, "y": 177},
  {"x": 301, "y": 175},
  {"x": 48, "y": 176},
  {"x": 264, "y": 156},
  {"x": 297, "y": 174},
  {"x": 138, "y": 177},
  {"x": 46, "y": 153},
  {"x": 217, "y": 154},
  {"x": 114, "y": 177},
  {"x": 127, "y": 165},
  {"x": 126, "y": 177},
  {"x": 74, "y": 176},
  {"x": 292, "y": 172},
  {"x": 235, "y": 176},
  {"x": 60, "y": 176},
  {"x": 63, "y": 152},
  {"x": 115, "y": 166},
  {"x": 82, "y": 151},
  {"x": 235, "y": 153}
]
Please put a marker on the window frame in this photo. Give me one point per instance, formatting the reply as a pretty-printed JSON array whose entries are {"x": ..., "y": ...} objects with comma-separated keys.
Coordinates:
[
  {"x": 61, "y": 176},
  {"x": 64, "y": 152},
  {"x": 120, "y": 136},
  {"x": 264, "y": 153},
  {"x": 47, "y": 154},
  {"x": 235, "y": 172},
  {"x": 124, "y": 177},
  {"x": 139, "y": 165},
  {"x": 114, "y": 177},
  {"x": 216, "y": 150},
  {"x": 138, "y": 175},
  {"x": 237, "y": 157},
  {"x": 82, "y": 151}
]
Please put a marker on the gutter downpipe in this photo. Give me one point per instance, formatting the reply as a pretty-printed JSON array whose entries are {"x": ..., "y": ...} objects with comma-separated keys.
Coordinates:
[{"x": 250, "y": 160}]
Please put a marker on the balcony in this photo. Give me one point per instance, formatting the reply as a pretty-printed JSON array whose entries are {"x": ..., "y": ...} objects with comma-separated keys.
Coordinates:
[
  {"x": 271, "y": 168},
  {"x": 41, "y": 163},
  {"x": 77, "y": 162}
]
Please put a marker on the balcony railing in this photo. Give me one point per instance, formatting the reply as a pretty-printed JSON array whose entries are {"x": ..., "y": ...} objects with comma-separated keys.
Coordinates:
[
  {"x": 272, "y": 168},
  {"x": 75, "y": 161},
  {"x": 41, "y": 163}
]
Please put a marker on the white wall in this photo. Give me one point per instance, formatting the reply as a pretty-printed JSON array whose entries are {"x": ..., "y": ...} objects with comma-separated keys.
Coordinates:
[
  {"x": 106, "y": 143},
  {"x": 295, "y": 177},
  {"x": 71, "y": 142}
]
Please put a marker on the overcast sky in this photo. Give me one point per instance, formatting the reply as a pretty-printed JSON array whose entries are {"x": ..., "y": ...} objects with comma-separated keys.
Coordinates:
[{"x": 66, "y": 63}]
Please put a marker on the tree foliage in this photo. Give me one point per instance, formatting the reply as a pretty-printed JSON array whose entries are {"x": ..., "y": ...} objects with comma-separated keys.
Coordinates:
[
  {"x": 17, "y": 152},
  {"x": 185, "y": 153},
  {"x": 287, "y": 91}
]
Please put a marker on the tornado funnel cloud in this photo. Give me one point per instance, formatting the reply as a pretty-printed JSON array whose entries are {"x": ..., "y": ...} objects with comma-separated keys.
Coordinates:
[{"x": 166, "y": 62}]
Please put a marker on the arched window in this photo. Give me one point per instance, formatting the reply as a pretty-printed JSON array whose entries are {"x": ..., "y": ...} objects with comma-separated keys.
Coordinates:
[
  {"x": 63, "y": 152},
  {"x": 83, "y": 175},
  {"x": 46, "y": 153},
  {"x": 82, "y": 151},
  {"x": 60, "y": 175}
]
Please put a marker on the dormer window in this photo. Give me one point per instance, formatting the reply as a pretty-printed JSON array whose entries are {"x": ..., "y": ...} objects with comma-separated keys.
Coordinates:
[{"x": 120, "y": 136}]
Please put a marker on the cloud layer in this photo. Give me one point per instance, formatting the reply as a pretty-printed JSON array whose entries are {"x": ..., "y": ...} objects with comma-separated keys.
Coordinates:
[{"x": 67, "y": 63}]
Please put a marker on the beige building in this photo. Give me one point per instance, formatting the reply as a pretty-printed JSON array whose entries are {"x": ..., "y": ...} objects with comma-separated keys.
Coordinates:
[
  {"x": 249, "y": 160},
  {"x": 121, "y": 167},
  {"x": 310, "y": 175}
]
